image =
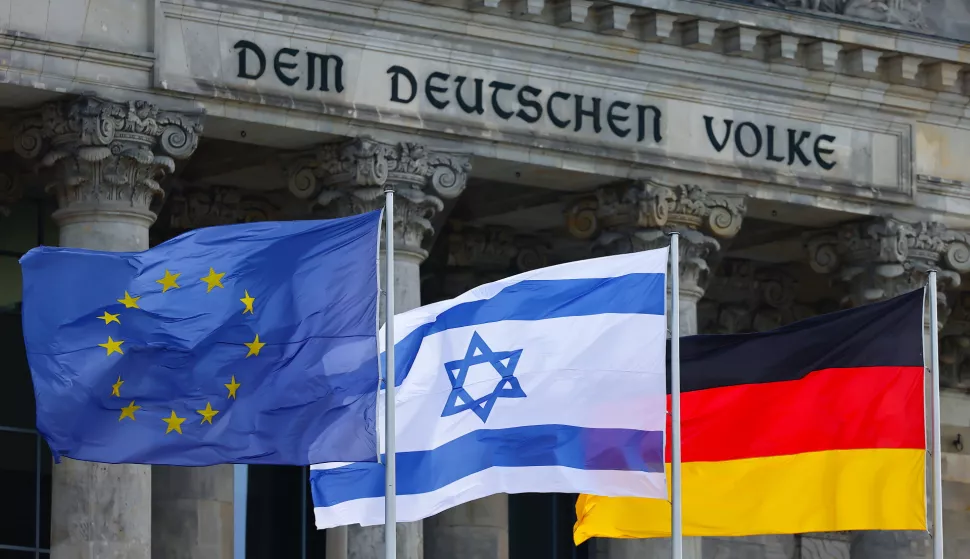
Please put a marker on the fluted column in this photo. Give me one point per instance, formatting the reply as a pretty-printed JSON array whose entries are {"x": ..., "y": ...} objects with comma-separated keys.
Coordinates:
[
  {"x": 104, "y": 161},
  {"x": 348, "y": 178},
  {"x": 638, "y": 216},
  {"x": 880, "y": 259}
]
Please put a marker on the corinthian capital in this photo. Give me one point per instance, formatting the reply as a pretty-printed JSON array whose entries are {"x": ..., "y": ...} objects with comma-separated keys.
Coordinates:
[
  {"x": 883, "y": 258},
  {"x": 106, "y": 155},
  {"x": 350, "y": 177},
  {"x": 648, "y": 204},
  {"x": 10, "y": 191}
]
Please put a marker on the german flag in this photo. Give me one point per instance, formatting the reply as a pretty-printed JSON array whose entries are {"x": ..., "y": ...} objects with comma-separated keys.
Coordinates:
[{"x": 815, "y": 427}]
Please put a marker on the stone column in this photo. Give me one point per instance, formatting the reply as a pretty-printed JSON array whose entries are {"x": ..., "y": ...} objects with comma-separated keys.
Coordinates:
[
  {"x": 348, "y": 178},
  {"x": 105, "y": 161},
  {"x": 880, "y": 259},
  {"x": 639, "y": 216}
]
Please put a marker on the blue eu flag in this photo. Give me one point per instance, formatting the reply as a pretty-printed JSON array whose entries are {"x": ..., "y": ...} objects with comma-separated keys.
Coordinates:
[{"x": 253, "y": 343}]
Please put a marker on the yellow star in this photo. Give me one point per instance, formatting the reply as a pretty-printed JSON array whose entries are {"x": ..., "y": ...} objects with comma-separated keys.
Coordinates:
[
  {"x": 112, "y": 346},
  {"x": 248, "y": 301},
  {"x": 232, "y": 386},
  {"x": 129, "y": 411},
  {"x": 208, "y": 413},
  {"x": 213, "y": 279},
  {"x": 168, "y": 282},
  {"x": 254, "y": 347},
  {"x": 174, "y": 423},
  {"x": 108, "y": 318},
  {"x": 116, "y": 388},
  {"x": 129, "y": 302}
]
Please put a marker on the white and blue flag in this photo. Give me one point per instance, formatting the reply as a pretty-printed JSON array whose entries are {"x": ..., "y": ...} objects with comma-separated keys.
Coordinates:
[{"x": 551, "y": 381}]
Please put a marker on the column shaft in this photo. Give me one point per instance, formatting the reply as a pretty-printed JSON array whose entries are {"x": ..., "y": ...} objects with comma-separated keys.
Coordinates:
[{"x": 105, "y": 160}]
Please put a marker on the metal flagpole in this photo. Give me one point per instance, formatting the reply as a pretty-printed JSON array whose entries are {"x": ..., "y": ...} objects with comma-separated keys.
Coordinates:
[
  {"x": 390, "y": 462},
  {"x": 677, "y": 530},
  {"x": 937, "y": 437}
]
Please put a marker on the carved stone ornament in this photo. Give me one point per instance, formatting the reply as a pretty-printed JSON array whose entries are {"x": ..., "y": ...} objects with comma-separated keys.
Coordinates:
[
  {"x": 955, "y": 345},
  {"x": 906, "y": 13},
  {"x": 106, "y": 155},
  {"x": 495, "y": 248},
  {"x": 11, "y": 192},
  {"x": 885, "y": 258},
  {"x": 350, "y": 177},
  {"x": 647, "y": 204},
  {"x": 208, "y": 206},
  {"x": 747, "y": 297}
]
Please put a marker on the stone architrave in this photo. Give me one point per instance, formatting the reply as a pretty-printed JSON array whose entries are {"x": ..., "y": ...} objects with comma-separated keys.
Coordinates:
[
  {"x": 103, "y": 161},
  {"x": 349, "y": 178},
  {"x": 640, "y": 216}
]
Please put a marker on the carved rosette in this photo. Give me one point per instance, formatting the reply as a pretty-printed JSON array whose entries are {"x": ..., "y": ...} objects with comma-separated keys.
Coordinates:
[
  {"x": 350, "y": 177},
  {"x": 208, "y": 206},
  {"x": 884, "y": 258},
  {"x": 640, "y": 215},
  {"x": 105, "y": 155}
]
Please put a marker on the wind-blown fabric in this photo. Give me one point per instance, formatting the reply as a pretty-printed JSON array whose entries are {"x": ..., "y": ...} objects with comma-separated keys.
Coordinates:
[{"x": 549, "y": 381}]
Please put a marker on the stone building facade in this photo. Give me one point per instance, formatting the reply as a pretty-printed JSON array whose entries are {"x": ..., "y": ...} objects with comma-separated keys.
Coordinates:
[{"x": 812, "y": 153}]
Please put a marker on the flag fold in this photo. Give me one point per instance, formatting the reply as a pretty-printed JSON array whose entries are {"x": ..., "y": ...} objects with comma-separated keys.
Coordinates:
[
  {"x": 549, "y": 381},
  {"x": 252, "y": 343},
  {"x": 814, "y": 427}
]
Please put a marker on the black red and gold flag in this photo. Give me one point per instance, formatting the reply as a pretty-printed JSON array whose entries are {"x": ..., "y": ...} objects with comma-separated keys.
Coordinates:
[{"x": 814, "y": 427}]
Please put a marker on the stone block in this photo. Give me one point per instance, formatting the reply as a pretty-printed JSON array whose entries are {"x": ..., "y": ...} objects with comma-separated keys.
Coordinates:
[{"x": 656, "y": 26}]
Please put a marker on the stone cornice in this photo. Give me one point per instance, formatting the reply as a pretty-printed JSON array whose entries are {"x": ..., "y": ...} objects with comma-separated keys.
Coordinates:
[{"x": 610, "y": 38}]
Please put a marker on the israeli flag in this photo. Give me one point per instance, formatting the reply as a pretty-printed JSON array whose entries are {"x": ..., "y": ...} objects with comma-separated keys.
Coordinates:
[{"x": 552, "y": 381}]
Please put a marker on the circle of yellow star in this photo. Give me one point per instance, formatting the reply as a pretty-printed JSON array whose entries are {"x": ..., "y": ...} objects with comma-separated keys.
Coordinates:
[
  {"x": 248, "y": 301},
  {"x": 208, "y": 413},
  {"x": 174, "y": 423},
  {"x": 232, "y": 386},
  {"x": 254, "y": 346},
  {"x": 108, "y": 318},
  {"x": 129, "y": 411},
  {"x": 129, "y": 302},
  {"x": 213, "y": 280},
  {"x": 168, "y": 282},
  {"x": 116, "y": 388},
  {"x": 112, "y": 346}
]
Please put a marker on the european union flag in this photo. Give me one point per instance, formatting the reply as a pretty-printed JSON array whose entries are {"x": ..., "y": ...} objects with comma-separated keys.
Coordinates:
[{"x": 253, "y": 343}]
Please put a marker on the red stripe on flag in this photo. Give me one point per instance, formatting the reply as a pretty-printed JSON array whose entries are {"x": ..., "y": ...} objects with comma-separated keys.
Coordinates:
[{"x": 831, "y": 409}]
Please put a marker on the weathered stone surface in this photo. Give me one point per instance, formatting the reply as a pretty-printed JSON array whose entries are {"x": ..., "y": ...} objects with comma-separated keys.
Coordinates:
[{"x": 195, "y": 207}]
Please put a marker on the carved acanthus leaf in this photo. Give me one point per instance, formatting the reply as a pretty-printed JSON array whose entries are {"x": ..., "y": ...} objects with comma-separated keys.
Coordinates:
[
  {"x": 103, "y": 152},
  {"x": 350, "y": 177},
  {"x": 648, "y": 204}
]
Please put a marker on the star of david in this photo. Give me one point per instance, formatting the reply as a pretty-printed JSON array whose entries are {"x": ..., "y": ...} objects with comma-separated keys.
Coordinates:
[{"x": 478, "y": 352}]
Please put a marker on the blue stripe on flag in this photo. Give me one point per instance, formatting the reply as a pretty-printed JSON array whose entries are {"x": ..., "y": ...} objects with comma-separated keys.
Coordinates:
[
  {"x": 539, "y": 300},
  {"x": 533, "y": 445}
]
